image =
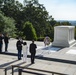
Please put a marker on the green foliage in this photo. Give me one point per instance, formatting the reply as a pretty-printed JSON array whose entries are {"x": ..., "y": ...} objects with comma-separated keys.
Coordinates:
[
  {"x": 37, "y": 15},
  {"x": 29, "y": 31},
  {"x": 65, "y": 23},
  {"x": 75, "y": 33},
  {"x": 1, "y": 22},
  {"x": 32, "y": 11},
  {"x": 12, "y": 8},
  {"x": 53, "y": 22},
  {"x": 40, "y": 38},
  {"x": 7, "y": 25}
]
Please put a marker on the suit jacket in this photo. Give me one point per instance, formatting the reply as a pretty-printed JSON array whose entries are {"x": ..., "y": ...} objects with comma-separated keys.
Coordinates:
[
  {"x": 6, "y": 39},
  {"x": 1, "y": 38},
  {"x": 32, "y": 48},
  {"x": 19, "y": 45}
]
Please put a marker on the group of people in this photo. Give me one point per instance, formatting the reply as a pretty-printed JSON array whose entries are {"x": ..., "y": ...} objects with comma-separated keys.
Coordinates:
[
  {"x": 32, "y": 49},
  {"x": 6, "y": 41},
  {"x": 23, "y": 46},
  {"x": 20, "y": 46}
]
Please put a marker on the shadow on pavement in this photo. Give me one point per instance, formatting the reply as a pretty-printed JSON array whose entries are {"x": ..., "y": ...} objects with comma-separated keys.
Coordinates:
[{"x": 45, "y": 58}]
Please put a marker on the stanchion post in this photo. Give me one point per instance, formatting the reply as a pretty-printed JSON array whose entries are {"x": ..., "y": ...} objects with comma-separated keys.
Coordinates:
[
  {"x": 19, "y": 71},
  {"x": 12, "y": 70},
  {"x": 5, "y": 71}
]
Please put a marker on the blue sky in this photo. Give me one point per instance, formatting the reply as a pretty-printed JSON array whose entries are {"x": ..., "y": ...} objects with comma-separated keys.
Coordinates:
[{"x": 60, "y": 9}]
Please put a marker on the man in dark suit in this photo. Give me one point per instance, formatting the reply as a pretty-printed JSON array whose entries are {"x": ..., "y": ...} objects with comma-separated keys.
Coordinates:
[
  {"x": 1, "y": 42},
  {"x": 6, "y": 41},
  {"x": 19, "y": 47},
  {"x": 32, "y": 50}
]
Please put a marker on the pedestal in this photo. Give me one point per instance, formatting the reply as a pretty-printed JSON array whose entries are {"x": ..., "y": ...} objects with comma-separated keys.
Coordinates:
[{"x": 63, "y": 36}]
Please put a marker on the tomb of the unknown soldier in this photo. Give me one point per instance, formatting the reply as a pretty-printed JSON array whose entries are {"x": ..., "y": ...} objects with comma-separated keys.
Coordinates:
[{"x": 64, "y": 36}]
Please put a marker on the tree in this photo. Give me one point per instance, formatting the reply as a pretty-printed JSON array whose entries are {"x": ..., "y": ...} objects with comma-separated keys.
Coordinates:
[
  {"x": 37, "y": 15},
  {"x": 7, "y": 25},
  {"x": 32, "y": 11},
  {"x": 30, "y": 1},
  {"x": 65, "y": 23},
  {"x": 53, "y": 22},
  {"x": 12, "y": 8},
  {"x": 29, "y": 31},
  {"x": 1, "y": 3}
]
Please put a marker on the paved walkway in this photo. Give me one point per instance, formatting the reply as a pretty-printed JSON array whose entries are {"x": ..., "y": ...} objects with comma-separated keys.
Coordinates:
[{"x": 62, "y": 61}]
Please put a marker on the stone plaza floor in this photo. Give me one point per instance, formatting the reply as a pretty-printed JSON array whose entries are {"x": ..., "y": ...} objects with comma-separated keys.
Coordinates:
[{"x": 61, "y": 60}]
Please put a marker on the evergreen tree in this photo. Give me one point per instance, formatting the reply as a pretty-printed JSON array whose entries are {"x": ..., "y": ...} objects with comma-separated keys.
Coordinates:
[{"x": 29, "y": 31}]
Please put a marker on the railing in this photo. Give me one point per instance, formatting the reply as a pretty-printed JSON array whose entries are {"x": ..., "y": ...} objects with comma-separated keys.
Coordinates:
[
  {"x": 20, "y": 70},
  {"x": 4, "y": 70}
]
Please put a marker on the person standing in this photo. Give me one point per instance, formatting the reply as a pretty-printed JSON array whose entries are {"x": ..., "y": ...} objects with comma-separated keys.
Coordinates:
[
  {"x": 25, "y": 52},
  {"x": 6, "y": 41},
  {"x": 32, "y": 50},
  {"x": 1, "y": 42},
  {"x": 19, "y": 47}
]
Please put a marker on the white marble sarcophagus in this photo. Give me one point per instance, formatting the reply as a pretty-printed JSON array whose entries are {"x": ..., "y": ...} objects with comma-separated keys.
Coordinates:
[{"x": 64, "y": 36}]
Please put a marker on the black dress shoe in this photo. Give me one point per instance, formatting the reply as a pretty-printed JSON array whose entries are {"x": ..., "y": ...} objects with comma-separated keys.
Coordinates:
[
  {"x": 19, "y": 59},
  {"x": 32, "y": 63}
]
